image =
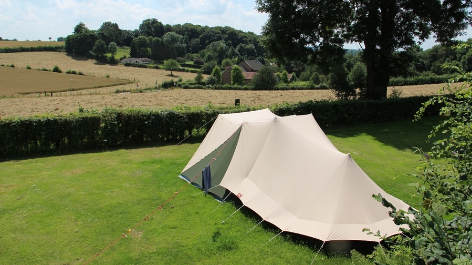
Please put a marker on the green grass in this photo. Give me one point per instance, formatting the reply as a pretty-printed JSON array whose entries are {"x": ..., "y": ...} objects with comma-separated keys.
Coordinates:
[
  {"x": 65, "y": 209},
  {"x": 120, "y": 52}
]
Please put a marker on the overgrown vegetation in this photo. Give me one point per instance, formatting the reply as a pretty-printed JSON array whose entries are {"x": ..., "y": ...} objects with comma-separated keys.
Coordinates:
[{"x": 440, "y": 230}]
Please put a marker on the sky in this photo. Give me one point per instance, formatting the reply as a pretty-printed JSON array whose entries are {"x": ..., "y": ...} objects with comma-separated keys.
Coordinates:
[{"x": 41, "y": 19}]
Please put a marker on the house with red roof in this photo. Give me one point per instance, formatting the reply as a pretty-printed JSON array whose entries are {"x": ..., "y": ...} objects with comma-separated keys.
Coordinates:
[{"x": 249, "y": 68}]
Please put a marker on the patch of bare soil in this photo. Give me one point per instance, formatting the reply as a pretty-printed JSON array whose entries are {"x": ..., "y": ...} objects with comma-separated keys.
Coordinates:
[{"x": 66, "y": 102}]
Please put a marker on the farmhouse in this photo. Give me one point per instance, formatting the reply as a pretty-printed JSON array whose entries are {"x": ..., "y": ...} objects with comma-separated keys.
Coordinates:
[
  {"x": 137, "y": 60},
  {"x": 249, "y": 68}
]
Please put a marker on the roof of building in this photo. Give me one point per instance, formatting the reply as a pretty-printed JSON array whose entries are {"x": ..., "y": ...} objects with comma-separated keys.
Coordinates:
[
  {"x": 254, "y": 64},
  {"x": 136, "y": 60}
]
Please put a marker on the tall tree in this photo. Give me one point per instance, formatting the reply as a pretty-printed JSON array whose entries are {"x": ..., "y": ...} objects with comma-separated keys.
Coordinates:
[
  {"x": 80, "y": 28},
  {"x": 110, "y": 32},
  {"x": 265, "y": 78},
  {"x": 139, "y": 47},
  {"x": 171, "y": 65},
  {"x": 317, "y": 30},
  {"x": 237, "y": 77},
  {"x": 216, "y": 73},
  {"x": 99, "y": 49},
  {"x": 151, "y": 27}
]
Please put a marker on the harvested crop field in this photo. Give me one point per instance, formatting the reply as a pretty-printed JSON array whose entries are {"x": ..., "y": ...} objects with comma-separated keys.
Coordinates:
[
  {"x": 23, "y": 81},
  {"x": 99, "y": 98}
]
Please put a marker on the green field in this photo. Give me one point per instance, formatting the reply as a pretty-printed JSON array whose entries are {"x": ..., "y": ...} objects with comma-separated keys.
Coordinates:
[{"x": 65, "y": 209}]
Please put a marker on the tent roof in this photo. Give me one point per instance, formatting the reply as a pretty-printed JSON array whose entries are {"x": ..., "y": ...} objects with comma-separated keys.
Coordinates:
[{"x": 288, "y": 171}]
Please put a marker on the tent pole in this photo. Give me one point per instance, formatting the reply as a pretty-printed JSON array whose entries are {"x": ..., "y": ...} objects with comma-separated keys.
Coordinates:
[
  {"x": 224, "y": 199},
  {"x": 255, "y": 226},
  {"x": 318, "y": 252},
  {"x": 273, "y": 237},
  {"x": 233, "y": 213}
]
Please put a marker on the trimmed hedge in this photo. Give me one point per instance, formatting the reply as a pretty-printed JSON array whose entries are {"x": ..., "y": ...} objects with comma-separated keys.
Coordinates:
[
  {"x": 122, "y": 127},
  {"x": 33, "y": 49},
  {"x": 354, "y": 112}
]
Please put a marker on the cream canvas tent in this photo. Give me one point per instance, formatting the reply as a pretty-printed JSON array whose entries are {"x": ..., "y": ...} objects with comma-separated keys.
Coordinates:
[{"x": 288, "y": 172}]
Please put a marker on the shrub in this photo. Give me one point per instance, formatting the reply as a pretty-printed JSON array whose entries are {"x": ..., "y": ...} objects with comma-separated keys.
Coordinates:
[
  {"x": 265, "y": 78},
  {"x": 80, "y": 73},
  {"x": 199, "y": 77},
  {"x": 198, "y": 61},
  {"x": 440, "y": 231},
  {"x": 28, "y": 67},
  {"x": 107, "y": 76},
  {"x": 71, "y": 72},
  {"x": 180, "y": 60},
  {"x": 112, "y": 60},
  {"x": 211, "y": 80},
  {"x": 56, "y": 69},
  {"x": 44, "y": 69}
]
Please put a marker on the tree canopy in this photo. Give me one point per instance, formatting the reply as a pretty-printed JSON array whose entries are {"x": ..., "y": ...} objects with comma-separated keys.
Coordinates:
[
  {"x": 139, "y": 47},
  {"x": 237, "y": 77},
  {"x": 317, "y": 30},
  {"x": 171, "y": 65}
]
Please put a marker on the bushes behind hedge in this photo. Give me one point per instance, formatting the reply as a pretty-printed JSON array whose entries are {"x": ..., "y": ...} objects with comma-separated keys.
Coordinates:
[
  {"x": 420, "y": 80},
  {"x": 122, "y": 127}
]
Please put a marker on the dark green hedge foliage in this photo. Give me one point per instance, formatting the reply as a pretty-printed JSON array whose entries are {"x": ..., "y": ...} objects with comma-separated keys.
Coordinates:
[
  {"x": 354, "y": 112},
  {"x": 122, "y": 127},
  {"x": 34, "y": 49},
  {"x": 420, "y": 80},
  {"x": 249, "y": 87}
]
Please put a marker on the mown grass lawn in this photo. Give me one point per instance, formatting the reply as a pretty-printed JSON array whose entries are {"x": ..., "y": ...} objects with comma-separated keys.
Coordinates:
[{"x": 66, "y": 209}]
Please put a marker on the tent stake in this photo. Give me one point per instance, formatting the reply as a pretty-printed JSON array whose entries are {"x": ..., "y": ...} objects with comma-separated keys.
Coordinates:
[
  {"x": 255, "y": 226},
  {"x": 318, "y": 252},
  {"x": 224, "y": 199},
  {"x": 272, "y": 238},
  {"x": 233, "y": 213}
]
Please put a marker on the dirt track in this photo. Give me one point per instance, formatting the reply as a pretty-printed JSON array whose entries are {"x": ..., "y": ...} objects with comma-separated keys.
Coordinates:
[{"x": 102, "y": 97}]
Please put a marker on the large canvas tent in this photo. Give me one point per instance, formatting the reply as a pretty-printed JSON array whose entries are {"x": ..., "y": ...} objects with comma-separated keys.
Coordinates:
[{"x": 288, "y": 172}]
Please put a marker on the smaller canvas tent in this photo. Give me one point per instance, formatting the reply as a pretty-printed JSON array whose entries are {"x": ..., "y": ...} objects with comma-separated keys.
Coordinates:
[{"x": 288, "y": 172}]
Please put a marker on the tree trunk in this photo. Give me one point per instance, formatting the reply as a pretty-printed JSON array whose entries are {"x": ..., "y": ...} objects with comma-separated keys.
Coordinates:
[
  {"x": 370, "y": 51},
  {"x": 379, "y": 43}
]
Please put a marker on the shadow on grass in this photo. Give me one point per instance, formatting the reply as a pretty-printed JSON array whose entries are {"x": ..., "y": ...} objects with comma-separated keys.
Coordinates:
[
  {"x": 173, "y": 76},
  {"x": 338, "y": 248},
  {"x": 191, "y": 140},
  {"x": 399, "y": 134},
  {"x": 78, "y": 58}
]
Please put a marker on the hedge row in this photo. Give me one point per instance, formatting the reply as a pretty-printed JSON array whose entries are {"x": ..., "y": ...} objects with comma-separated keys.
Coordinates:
[
  {"x": 420, "y": 80},
  {"x": 354, "y": 112},
  {"x": 119, "y": 127},
  {"x": 33, "y": 49},
  {"x": 249, "y": 87},
  {"x": 154, "y": 66}
]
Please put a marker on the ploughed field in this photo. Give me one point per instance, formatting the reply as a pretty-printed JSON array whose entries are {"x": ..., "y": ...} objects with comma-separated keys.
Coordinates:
[{"x": 14, "y": 104}]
